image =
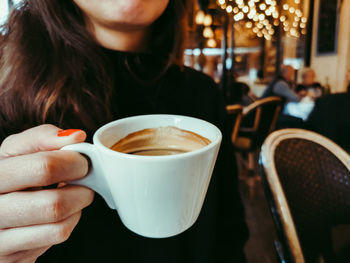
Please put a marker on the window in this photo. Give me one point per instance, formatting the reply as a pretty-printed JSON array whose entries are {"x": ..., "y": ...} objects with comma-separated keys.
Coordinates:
[{"x": 4, "y": 9}]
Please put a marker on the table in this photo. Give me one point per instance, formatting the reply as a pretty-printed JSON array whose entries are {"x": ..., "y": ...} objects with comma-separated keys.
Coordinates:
[{"x": 300, "y": 109}]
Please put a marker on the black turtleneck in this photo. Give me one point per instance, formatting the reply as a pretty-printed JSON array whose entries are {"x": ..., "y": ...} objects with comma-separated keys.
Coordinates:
[{"x": 220, "y": 231}]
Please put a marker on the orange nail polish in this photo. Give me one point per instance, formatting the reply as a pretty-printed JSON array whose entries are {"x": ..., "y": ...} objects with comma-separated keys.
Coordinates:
[{"x": 68, "y": 132}]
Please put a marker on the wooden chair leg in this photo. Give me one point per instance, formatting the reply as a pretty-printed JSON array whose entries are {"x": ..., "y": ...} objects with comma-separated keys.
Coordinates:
[{"x": 251, "y": 164}]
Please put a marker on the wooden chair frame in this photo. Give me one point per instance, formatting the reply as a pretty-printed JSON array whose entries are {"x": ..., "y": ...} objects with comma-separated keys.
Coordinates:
[
  {"x": 275, "y": 187},
  {"x": 237, "y": 110},
  {"x": 256, "y": 106}
]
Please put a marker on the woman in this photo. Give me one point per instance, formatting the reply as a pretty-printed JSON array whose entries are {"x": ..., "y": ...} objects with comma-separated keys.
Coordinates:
[{"x": 81, "y": 64}]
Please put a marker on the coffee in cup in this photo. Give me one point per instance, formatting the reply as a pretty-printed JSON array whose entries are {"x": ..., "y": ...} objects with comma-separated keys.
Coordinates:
[{"x": 167, "y": 140}]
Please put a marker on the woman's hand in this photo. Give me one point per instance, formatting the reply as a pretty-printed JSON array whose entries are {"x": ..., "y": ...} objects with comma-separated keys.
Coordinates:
[{"x": 31, "y": 219}]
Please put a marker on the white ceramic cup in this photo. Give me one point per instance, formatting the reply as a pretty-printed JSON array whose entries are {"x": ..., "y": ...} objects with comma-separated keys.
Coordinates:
[{"x": 155, "y": 196}]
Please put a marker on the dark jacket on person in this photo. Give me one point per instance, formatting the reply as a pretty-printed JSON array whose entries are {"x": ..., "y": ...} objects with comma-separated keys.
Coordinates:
[
  {"x": 281, "y": 88},
  {"x": 331, "y": 118}
]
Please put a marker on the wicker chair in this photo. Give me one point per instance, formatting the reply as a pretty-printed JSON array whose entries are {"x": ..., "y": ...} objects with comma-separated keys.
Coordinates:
[
  {"x": 258, "y": 120},
  {"x": 307, "y": 179},
  {"x": 235, "y": 116}
]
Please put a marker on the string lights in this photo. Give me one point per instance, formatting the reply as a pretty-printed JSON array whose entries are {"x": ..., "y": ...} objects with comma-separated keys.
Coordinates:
[
  {"x": 206, "y": 20},
  {"x": 261, "y": 16}
]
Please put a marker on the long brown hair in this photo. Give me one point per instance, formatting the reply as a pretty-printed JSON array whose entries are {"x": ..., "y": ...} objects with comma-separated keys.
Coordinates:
[{"x": 51, "y": 67}]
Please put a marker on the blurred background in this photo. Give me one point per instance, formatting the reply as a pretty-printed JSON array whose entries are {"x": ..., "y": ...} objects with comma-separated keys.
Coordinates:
[{"x": 255, "y": 37}]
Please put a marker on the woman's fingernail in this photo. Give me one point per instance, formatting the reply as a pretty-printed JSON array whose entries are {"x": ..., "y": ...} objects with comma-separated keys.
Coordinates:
[{"x": 68, "y": 132}]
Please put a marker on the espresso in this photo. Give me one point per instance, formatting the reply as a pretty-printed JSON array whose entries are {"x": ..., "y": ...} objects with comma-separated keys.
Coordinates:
[{"x": 160, "y": 141}]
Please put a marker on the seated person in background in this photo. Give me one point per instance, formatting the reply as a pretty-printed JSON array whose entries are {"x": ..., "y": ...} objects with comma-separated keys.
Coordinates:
[
  {"x": 282, "y": 87},
  {"x": 330, "y": 117},
  {"x": 238, "y": 93},
  {"x": 309, "y": 85}
]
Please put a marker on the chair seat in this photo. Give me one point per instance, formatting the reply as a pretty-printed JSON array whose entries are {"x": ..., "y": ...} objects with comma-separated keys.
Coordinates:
[{"x": 243, "y": 143}]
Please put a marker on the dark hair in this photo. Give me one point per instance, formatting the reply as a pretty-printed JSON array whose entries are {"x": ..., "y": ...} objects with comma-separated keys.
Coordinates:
[{"x": 51, "y": 67}]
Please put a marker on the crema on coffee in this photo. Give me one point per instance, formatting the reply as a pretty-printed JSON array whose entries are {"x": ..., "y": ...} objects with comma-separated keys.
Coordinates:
[{"x": 160, "y": 141}]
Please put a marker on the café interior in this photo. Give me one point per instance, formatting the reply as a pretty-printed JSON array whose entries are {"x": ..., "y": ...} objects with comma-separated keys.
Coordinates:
[
  {"x": 281, "y": 180},
  {"x": 283, "y": 67}
]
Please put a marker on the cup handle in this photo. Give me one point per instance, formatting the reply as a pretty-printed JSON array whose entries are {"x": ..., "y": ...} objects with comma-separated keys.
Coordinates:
[{"x": 94, "y": 179}]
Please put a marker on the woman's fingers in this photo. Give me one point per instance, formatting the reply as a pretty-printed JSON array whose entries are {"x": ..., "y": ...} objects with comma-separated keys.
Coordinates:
[
  {"x": 42, "y": 207},
  {"x": 32, "y": 237},
  {"x": 41, "y": 169},
  {"x": 45, "y": 137},
  {"x": 25, "y": 256},
  {"x": 33, "y": 221}
]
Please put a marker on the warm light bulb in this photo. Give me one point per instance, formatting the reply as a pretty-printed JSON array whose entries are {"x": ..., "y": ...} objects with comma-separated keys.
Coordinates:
[
  {"x": 275, "y": 14},
  {"x": 283, "y": 18},
  {"x": 199, "y": 17},
  {"x": 298, "y": 12},
  {"x": 304, "y": 20},
  {"x": 252, "y": 11},
  {"x": 285, "y": 7},
  {"x": 208, "y": 32},
  {"x": 249, "y": 25},
  {"x": 302, "y": 25},
  {"x": 267, "y": 37},
  {"x": 239, "y": 16},
  {"x": 251, "y": 3},
  {"x": 245, "y": 9},
  {"x": 292, "y": 10},
  {"x": 276, "y": 23},
  {"x": 229, "y": 9},
  {"x": 255, "y": 30},
  {"x": 208, "y": 20},
  {"x": 262, "y": 6},
  {"x": 211, "y": 43},
  {"x": 221, "y": 2},
  {"x": 261, "y": 17},
  {"x": 235, "y": 10},
  {"x": 295, "y": 24},
  {"x": 260, "y": 34}
]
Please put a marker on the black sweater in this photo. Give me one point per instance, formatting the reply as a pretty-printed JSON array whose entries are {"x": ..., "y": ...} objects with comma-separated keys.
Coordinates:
[{"x": 220, "y": 231}]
